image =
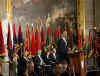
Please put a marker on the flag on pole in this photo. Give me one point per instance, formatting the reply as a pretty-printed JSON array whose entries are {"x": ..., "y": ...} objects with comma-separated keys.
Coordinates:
[
  {"x": 9, "y": 35},
  {"x": 96, "y": 44},
  {"x": 90, "y": 45},
  {"x": 42, "y": 37},
  {"x": 20, "y": 42},
  {"x": 59, "y": 32},
  {"x": 48, "y": 36},
  {"x": 56, "y": 37},
  {"x": 28, "y": 39},
  {"x": 33, "y": 48},
  {"x": 83, "y": 40},
  {"x": 71, "y": 43},
  {"x": 14, "y": 42},
  {"x": 37, "y": 40},
  {"x": 20, "y": 39},
  {"x": 9, "y": 43},
  {"x": 79, "y": 38},
  {"x": 2, "y": 48},
  {"x": 55, "y": 32}
]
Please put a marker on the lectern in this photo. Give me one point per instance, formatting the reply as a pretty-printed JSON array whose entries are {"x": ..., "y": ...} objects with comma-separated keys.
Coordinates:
[{"x": 77, "y": 62}]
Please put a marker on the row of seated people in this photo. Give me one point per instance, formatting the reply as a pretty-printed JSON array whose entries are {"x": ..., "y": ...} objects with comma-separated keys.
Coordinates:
[
  {"x": 46, "y": 65},
  {"x": 60, "y": 68},
  {"x": 40, "y": 62}
]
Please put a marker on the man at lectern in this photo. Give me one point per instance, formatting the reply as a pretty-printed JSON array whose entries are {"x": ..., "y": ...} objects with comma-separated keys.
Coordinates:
[{"x": 62, "y": 47}]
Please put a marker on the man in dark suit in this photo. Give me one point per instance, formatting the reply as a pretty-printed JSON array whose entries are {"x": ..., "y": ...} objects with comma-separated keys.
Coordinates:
[
  {"x": 38, "y": 62},
  {"x": 62, "y": 47}
]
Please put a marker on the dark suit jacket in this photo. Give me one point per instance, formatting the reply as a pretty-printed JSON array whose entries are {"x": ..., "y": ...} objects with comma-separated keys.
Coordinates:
[
  {"x": 37, "y": 60},
  {"x": 61, "y": 49},
  {"x": 50, "y": 59},
  {"x": 22, "y": 66}
]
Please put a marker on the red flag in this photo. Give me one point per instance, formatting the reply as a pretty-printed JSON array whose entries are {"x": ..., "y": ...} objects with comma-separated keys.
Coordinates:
[
  {"x": 14, "y": 36},
  {"x": 96, "y": 44},
  {"x": 42, "y": 37},
  {"x": 2, "y": 48},
  {"x": 59, "y": 31},
  {"x": 48, "y": 36},
  {"x": 33, "y": 48},
  {"x": 9, "y": 37},
  {"x": 20, "y": 39},
  {"x": 83, "y": 39},
  {"x": 27, "y": 39},
  {"x": 20, "y": 31},
  {"x": 70, "y": 38},
  {"x": 90, "y": 45},
  {"x": 90, "y": 40},
  {"x": 10, "y": 52},
  {"x": 79, "y": 38},
  {"x": 55, "y": 32},
  {"x": 37, "y": 38},
  {"x": 48, "y": 31}
]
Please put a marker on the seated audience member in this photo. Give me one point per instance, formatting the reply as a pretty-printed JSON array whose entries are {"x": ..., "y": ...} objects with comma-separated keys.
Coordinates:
[
  {"x": 47, "y": 58},
  {"x": 50, "y": 56},
  {"x": 31, "y": 71},
  {"x": 66, "y": 70},
  {"x": 39, "y": 63},
  {"x": 57, "y": 70},
  {"x": 22, "y": 65}
]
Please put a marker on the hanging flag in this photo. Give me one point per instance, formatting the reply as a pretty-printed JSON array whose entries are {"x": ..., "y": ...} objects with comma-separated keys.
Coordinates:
[
  {"x": 9, "y": 43},
  {"x": 42, "y": 37},
  {"x": 90, "y": 45},
  {"x": 79, "y": 38},
  {"x": 71, "y": 43},
  {"x": 33, "y": 48},
  {"x": 96, "y": 44},
  {"x": 59, "y": 32},
  {"x": 14, "y": 42},
  {"x": 2, "y": 48},
  {"x": 55, "y": 32},
  {"x": 14, "y": 36},
  {"x": 83, "y": 40},
  {"x": 28, "y": 39},
  {"x": 37, "y": 40},
  {"x": 9, "y": 35},
  {"x": 20, "y": 39},
  {"x": 48, "y": 36}
]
